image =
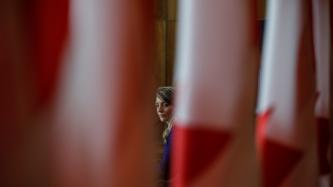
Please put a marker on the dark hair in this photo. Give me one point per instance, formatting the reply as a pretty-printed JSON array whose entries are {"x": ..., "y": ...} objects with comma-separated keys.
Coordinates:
[{"x": 166, "y": 94}]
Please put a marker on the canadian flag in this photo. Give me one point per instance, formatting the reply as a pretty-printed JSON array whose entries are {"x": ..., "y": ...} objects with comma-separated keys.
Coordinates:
[
  {"x": 90, "y": 80},
  {"x": 286, "y": 125},
  {"x": 213, "y": 137}
]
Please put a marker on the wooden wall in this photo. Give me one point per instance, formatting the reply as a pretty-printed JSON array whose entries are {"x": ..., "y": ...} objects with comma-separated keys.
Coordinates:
[
  {"x": 166, "y": 23},
  {"x": 166, "y": 29}
]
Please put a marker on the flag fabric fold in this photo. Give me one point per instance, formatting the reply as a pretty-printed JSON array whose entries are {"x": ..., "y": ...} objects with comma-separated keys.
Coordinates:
[
  {"x": 90, "y": 74},
  {"x": 216, "y": 77},
  {"x": 286, "y": 126},
  {"x": 321, "y": 13}
]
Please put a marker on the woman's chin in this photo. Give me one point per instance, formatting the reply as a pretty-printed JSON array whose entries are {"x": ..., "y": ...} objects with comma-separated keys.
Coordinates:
[{"x": 163, "y": 120}]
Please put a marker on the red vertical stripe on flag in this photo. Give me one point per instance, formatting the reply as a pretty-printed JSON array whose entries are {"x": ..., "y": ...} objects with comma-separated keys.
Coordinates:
[
  {"x": 322, "y": 35},
  {"x": 48, "y": 21}
]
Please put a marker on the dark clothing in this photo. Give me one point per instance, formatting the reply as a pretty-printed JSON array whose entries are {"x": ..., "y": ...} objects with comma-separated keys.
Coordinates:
[{"x": 165, "y": 162}]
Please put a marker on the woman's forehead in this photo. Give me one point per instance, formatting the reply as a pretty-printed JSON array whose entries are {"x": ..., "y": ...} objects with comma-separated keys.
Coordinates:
[{"x": 159, "y": 100}]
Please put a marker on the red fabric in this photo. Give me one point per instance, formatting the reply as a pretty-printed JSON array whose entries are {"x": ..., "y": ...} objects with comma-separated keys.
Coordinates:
[
  {"x": 49, "y": 24},
  {"x": 195, "y": 150},
  {"x": 323, "y": 138},
  {"x": 277, "y": 160}
]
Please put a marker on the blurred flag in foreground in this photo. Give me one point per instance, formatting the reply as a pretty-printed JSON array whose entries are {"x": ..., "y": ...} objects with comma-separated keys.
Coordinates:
[
  {"x": 286, "y": 123},
  {"x": 213, "y": 143},
  {"x": 78, "y": 76},
  {"x": 321, "y": 10}
]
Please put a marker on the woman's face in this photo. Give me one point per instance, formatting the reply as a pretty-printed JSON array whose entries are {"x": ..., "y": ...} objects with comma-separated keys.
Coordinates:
[{"x": 164, "y": 111}]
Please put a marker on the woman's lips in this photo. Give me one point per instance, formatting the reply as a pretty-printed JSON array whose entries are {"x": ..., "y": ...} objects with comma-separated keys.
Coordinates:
[{"x": 162, "y": 115}]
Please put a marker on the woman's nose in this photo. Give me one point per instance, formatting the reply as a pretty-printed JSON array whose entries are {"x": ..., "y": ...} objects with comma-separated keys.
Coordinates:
[{"x": 160, "y": 108}]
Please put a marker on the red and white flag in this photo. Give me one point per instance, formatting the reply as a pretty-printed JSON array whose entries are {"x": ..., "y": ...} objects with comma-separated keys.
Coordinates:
[
  {"x": 286, "y": 125},
  {"x": 91, "y": 121},
  {"x": 213, "y": 137},
  {"x": 106, "y": 89}
]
